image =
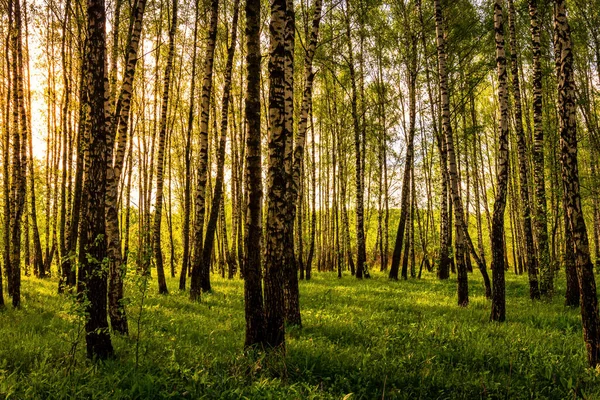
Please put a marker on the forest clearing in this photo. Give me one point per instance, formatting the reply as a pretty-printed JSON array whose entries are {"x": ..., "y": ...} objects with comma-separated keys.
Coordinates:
[{"x": 374, "y": 339}]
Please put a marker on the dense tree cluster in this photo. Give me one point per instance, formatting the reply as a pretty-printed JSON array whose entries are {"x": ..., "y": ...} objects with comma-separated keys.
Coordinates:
[{"x": 264, "y": 141}]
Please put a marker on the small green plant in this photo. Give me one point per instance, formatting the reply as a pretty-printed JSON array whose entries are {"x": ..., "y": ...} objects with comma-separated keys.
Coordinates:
[
  {"x": 76, "y": 308},
  {"x": 142, "y": 287}
]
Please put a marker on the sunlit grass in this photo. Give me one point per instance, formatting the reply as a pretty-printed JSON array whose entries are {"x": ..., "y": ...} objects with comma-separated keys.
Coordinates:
[{"x": 374, "y": 338}]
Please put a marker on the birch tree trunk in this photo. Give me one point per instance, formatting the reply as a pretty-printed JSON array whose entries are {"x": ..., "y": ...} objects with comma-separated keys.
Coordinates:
[
  {"x": 540, "y": 219},
  {"x": 292, "y": 295},
  {"x": 199, "y": 278},
  {"x": 69, "y": 272},
  {"x": 6, "y": 169},
  {"x": 117, "y": 267},
  {"x": 463, "y": 288},
  {"x": 571, "y": 190},
  {"x": 530, "y": 257},
  {"x": 443, "y": 271},
  {"x": 276, "y": 183},
  {"x": 290, "y": 288},
  {"x": 19, "y": 157},
  {"x": 160, "y": 159},
  {"x": 218, "y": 191},
  {"x": 406, "y": 181},
  {"x": 187, "y": 202},
  {"x": 497, "y": 234},
  {"x": 463, "y": 240},
  {"x": 93, "y": 228},
  {"x": 361, "y": 257},
  {"x": 253, "y": 296}
]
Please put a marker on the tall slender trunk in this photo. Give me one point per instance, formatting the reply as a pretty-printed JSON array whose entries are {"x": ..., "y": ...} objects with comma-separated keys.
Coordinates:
[
  {"x": 463, "y": 240},
  {"x": 382, "y": 233},
  {"x": 337, "y": 253},
  {"x": 238, "y": 135},
  {"x": 413, "y": 210},
  {"x": 228, "y": 259},
  {"x": 48, "y": 161},
  {"x": 463, "y": 288},
  {"x": 236, "y": 182},
  {"x": 147, "y": 157},
  {"x": 530, "y": 257},
  {"x": 476, "y": 181},
  {"x": 12, "y": 129},
  {"x": 19, "y": 157},
  {"x": 467, "y": 175},
  {"x": 114, "y": 54},
  {"x": 170, "y": 211},
  {"x": 290, "y": 288},
  {"x": 276, "y": 182},
  {"x": 445, "y": 241},
  {"x": 408, "y": 163},
  {"x": 128, "y": 204},
  {"x": 5, "y": 167},
  {"x": 218, "y": 190},
  {"x": 293, "y": 306},
  {"x": 187, "y": 202},
  {"x": 65, "y": 135},
  {"x": 595, "y": 210},
  {"x": 540, "y": 221},
  {"x": 253, "y": 295},
  {"x": 571, "y": 191},
  {"x": 69, "y": 272},
  {"x": 37, "y": 245},
  {"x": 160, "y": 159},
  {"x": 117, "y": 267},
  {"x": 361, "y": 250},
  {"x": 93, "y": 236},
  {"x": 345, "y": 218},
  {"x": 497, "y": 234},
  {"x": 200, "y": 278},
  {"x": 572, "y": 295},
  {"x": 313, "y": 222},
  {"x": 380, "y": 161}
]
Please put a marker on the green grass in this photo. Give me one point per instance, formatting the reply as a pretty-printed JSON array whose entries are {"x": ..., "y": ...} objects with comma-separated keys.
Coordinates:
[{"x": 372, "y": 339}]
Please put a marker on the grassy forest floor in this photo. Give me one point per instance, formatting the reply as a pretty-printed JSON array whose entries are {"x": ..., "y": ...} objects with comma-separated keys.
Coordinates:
[{"x": 374, "y": 339}]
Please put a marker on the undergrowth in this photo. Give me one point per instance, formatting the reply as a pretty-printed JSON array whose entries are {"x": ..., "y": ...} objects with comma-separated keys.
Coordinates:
[{"x": 361, "y": 340}]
